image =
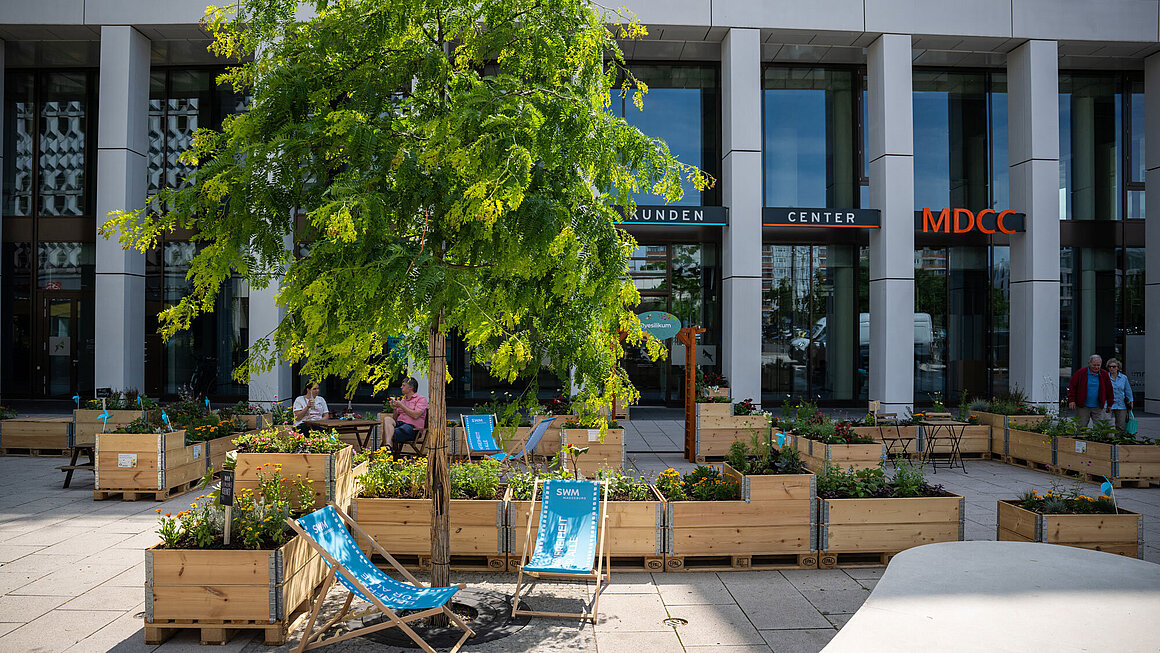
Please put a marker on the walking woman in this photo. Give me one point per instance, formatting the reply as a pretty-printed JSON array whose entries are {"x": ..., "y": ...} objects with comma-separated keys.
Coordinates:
[{"x": 1122, "y": 397}]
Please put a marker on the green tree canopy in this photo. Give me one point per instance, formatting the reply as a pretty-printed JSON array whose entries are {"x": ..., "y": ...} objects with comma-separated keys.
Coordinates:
[{"x": 452, "y": 165}]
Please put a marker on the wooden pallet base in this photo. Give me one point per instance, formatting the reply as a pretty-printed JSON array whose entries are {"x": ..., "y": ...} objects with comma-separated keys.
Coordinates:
[
  {"x": 137, "y": 494},
  {"x": 1098, "y": 479},
  {"x": 44, "y": 453},
  {"x": 458, "y": 562},
  {"x": 854, "y": 560},
  {"x": 220, "y": 632},
  {"x": 1029, "y": 464},
  {"x": 741, "y": 562},
  {"x": 620, "y": 564}
]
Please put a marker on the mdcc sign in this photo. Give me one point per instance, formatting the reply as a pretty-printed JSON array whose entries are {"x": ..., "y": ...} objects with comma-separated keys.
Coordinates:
[{"x": 961, "y": 221}]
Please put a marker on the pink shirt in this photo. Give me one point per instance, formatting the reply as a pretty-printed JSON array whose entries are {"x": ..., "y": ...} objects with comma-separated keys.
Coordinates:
[{"x": 416, "y": 402}]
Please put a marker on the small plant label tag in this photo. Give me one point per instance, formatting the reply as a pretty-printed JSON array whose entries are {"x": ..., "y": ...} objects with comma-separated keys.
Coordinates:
[
  {"x": 594, "y": 435},
  {"x": 1080, "y": 446},
  {"x": 196, "y": 451},
  {"x": 126, "y": 460}
]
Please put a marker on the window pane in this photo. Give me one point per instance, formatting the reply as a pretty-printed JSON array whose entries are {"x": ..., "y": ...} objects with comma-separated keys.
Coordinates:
[
  {"x": 19, "y": 126},
  {"x": 950, "y": 141},
  {"x": 1000, "y": 154},
  {"x": 809, "y": 148},
  {"x": 930, "y": 323},
  {"x": 63, "y": 130},
  {"x": 1136, "y": 168},
  {"x": 1089, "y": 147}
]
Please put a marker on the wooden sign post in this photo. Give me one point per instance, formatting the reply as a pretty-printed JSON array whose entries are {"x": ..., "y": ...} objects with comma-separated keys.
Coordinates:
[{"x": 688, "y": 337}]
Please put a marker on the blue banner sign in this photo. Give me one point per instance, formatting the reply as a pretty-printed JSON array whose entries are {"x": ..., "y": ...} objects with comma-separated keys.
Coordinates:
[
  {"x": 660, "y": 324},
  {"x": 479, "y": 431}
]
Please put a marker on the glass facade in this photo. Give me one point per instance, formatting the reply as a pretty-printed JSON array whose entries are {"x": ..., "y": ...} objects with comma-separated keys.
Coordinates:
[
  {"x": 48, "y": 252},
  {"x": 203, "y": 357}
]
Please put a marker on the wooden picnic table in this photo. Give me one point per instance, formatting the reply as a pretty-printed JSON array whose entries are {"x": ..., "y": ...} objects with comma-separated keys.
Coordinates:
[{"x": 362, "y": 433}]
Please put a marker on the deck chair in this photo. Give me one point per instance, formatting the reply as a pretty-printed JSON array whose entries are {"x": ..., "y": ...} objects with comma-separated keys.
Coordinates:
[
  {"x": 479, "y": 431},
  {"x": 323, "y": 529},
  {"x": 570, "y": 542},
  {"x": 530, "y": 444}
]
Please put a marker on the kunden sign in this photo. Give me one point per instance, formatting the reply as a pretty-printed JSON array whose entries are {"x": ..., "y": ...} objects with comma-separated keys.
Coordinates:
[
  {"x": 805, "y": 217},
  {"x": 961, "y": 221},
  {"x": 679, "y": 215}
]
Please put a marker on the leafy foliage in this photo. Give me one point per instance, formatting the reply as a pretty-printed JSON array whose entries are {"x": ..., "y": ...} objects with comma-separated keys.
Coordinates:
[
  {"x": 908, "y": 480},
  {"x": 1066, "y": 502},
  {"x": 284, "y": 440},
  {"x": 622, "y": 487},
  {"x": 704, "y": 483},
  {"x": 759, "y": 457},
  {"x": 406, "y": 478},
  {"x": 451, "y": 165}
]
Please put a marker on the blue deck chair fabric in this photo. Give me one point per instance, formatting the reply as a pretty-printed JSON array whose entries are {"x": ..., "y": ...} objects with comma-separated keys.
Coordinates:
[
  {"x": 569, "y": 519},
  {"x": 534, "y": 438},
  {"x": 325, "y": 526},
  {"x": 479, "y": 431}
]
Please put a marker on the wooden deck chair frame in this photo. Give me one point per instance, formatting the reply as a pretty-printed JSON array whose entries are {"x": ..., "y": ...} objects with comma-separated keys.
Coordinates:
[
  {"x": 601, "y": 573},
  {"x": 312, "y": 639},
  {"x": 529, "y": 458},
  {"x": 473, "y": 454},
  {"x": 417, "y": 445}
]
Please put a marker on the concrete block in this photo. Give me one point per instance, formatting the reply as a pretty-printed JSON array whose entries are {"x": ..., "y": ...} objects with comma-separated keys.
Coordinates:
[
  {"x": 843, "y": 15},
  {"x": 124, "y": 89},
  {"x": 976, "y": 18},
  {"x": 1084, "y": 20}
]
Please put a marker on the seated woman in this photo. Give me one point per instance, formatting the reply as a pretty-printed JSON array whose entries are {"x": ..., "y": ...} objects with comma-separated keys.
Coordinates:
[
  {"x": 309, "y": 407},
  {"x": 410, "y": 415}
]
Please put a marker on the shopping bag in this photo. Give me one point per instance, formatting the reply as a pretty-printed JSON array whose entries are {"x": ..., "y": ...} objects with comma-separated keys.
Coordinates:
[{"x": 1131, "y": 426}]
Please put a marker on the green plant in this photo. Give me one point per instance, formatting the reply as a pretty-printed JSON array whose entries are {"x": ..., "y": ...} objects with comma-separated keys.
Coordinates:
[
  {"x": 144, "y": 424},
  {"x": 702, "y": 399},
  {"x": 671, "y": 485},
  {"x": 759, "y": 457},
  {"x": 836, "y": 483},
  {"x": 523, "y": 481},
  {"x": 258, "y": 517},
  {"x": 937, "y": 404},
  {"x": 869, "y": 420},
  {"x": 1069, "y": 502},
  {"x": 284, "y": 440},
  {"x": 909, "y": 479},
  {"x": 746, "y": 407},
  {"x": 624, "y": 488},
  {"x": 7, "y": 413},
  {"x": 511, "y": 412},
  {"x": 964, "y": 407}
]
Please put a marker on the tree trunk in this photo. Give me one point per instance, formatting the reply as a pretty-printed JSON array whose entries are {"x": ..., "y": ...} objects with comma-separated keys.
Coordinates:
[{"x": 438, "y": 469}]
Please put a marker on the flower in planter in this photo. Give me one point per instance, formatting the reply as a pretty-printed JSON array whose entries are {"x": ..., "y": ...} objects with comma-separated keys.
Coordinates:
[
  {"x": 704, "y": 483},
  {"x": 746, "y": 407},
  {"x": 1067, "y": 502}
]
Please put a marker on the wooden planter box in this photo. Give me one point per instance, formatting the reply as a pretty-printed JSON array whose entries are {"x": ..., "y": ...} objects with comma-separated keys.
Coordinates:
[
  {"x": 601, "y": 455},
  {"x": 817, "y": 455},
  {"x": 1120, "y": 534},
  {"x": 997, "y": 421},
  {"x": 218, "y": 448},
  {"x": 1034, "y": 450},
  {"x": 976, "y": 441},
  {"x": 860, "y": 532},
  {"x": 35, "y": 436},
  {"x": 86, "y": 426},
  {"x": 715, "y": 392},
  {"x": 221, "y": 591},
  {"x": 403, "y": 528},
  {"x": 1133, "y": 464},
  {"x": 332, "y": 473},
  {"x": 771, "y": 527},
  {"x": 636, "y": 533},
  {"x": 147, "y": 465},
  {"x": 252, "y": 422},
  {"x": 717, "y": 429}
]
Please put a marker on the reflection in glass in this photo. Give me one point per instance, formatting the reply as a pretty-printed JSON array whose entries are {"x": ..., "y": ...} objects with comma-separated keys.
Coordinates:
[
  {"x": 1000, "y": 318},
  {"x": 62, "y": 144},
  {"x": 812, "y": 335},
  {"x": 930, "y": 323},
  {"x": 809, "y": 146},
  {"x": 19, "y": 112},
  {"x": 951, "y": 140},
  {"x": 680, "y": 108},
  {"x": 1089, "y": 147}
]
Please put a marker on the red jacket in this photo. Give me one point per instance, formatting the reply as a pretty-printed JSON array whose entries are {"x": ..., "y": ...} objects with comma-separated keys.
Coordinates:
[{"x": 1077, "y": 389}]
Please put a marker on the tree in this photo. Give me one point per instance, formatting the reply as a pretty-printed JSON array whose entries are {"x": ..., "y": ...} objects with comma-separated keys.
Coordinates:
[{"x": 452, "y": 164}]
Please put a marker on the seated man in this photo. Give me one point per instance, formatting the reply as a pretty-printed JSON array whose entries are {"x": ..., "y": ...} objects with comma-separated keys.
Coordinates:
[
  {"x": 410, "y": 415},
  {"x": 308, "y": 408}
]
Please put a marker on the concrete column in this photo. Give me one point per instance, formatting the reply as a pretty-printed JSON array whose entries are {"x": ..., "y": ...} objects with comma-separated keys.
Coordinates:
[
  {"x": 1151, "y": 391},
  {"x": 741, "y": 192},
  {"x": 1033, "y": 119},
  {"x": 888, "y": 75},
  {"x": 2, "y": 104},
  {"x": 122, "y": 146},
  {"x": 274, "y": 384}
]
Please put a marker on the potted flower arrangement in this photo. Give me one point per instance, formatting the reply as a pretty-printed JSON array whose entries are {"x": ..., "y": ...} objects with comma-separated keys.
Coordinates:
[
  {"x": 634, "y": 507},
  {"x": 866, "y": 517},
  {"x": 1007, "y": 410},
  {"x": 602, "y": 439},
  {"x": 320, "y": 456},
  {"x": 394, "y": 507},
  {"x": 1070, "y": 518},
  {"x": 259, "y": 579},
  {"x": 121, "y": 407},
  {"x": 711, "y": 384},
  {"x": 719, "y": 425},
  {"x": 822, "y": 442},
  {"x": 249, "y": 414},
  {"x": 769, "y": 525}
]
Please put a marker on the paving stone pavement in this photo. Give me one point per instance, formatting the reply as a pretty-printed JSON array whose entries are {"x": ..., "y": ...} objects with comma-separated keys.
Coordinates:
[{"x": 72, "y": 574}]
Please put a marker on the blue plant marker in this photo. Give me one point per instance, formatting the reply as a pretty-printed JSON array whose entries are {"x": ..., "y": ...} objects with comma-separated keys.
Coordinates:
[
  {"x": 104, "y": 417},
  {"x": 77, "y": 399},
  {"x": 207, "y": 403},
  {"x": 139, "y": 404},
  {"x": 780, "y": 439},
  {"x": 164, "y": 417},
  {"x": 1106, "y": 488}
]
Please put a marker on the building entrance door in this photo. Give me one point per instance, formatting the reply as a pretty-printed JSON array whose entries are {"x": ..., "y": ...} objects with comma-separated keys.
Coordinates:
[{"x": 58, "y": 333}]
